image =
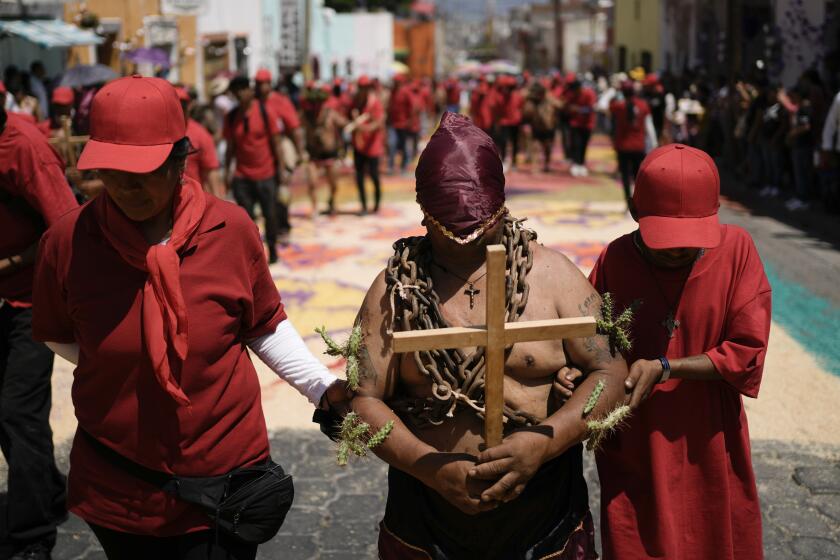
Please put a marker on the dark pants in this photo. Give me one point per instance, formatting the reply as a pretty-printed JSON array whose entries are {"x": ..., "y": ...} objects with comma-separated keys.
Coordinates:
[
  {"x": 201, "y": 545},
  {"x": 537, "y": 524},
  {"x": 370, "y": 166},
  {"x": 508, "y": 135},
  {"x": 35, "y": 504},
  {"x": 802, "y": 159},
  {"x": 403, "y": 139},
  {"x": 579, "y": 143},
  {"x": 628, "y": 166},
  {"x": 565, "y": 137},
  {"x": 248, "y": 193}
]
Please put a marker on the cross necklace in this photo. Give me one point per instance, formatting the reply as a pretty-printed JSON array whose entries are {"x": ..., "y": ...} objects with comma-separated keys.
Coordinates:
[
  {"x": 670, "y": 323},
  {"x": 470, "y": 291}
]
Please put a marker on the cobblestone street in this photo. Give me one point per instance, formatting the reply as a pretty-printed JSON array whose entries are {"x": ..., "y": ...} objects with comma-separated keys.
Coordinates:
[{"x": 337, "y": 510}]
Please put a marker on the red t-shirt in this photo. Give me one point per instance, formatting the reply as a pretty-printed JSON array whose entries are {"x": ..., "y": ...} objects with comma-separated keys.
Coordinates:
[
  {"x": 252, "y": 149},
  {"x": 285, "y": 109},
  {"x": 485, "y": 107},
  {"x": 677, "y": 480},
  {"x": 582, "y": 110},
  {"x": 204, "y": 160},
  {"x": 371, "y": 144},
  {"x": 401, "y": 109},
  {"x": 510, "y": 109},
  {"x": 629, "y": 135},
  {"x": 427, "y": 100},
  {"x": 453, "y": 93},
  {"x": 33, "y": 194},
  {"x": 86, "y": 293},
  {"x": 416, "y": 109}
]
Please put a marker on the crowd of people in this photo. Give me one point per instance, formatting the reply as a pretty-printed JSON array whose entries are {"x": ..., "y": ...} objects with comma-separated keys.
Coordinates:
[{"x": 780, "y": 142}]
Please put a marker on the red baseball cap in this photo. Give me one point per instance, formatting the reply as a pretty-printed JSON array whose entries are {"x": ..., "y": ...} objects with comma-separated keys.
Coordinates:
[
  {"x": 651, "y": 79},
  {"x": 262, "y": 75},
  {"x": 677, "y": 198},
  {"x": 133, "y": 124},
  {"x": 364, "y": 81},
  {"x": 63, "y": 95}
]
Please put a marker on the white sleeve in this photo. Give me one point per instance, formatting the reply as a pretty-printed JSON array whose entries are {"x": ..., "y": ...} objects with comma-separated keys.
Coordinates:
[
  {"x": 830, "y": 126},
  {"x": 287, "y": 355}
]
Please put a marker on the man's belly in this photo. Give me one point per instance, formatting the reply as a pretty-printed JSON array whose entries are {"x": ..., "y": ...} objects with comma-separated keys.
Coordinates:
[{"x": 464, "y": 431}]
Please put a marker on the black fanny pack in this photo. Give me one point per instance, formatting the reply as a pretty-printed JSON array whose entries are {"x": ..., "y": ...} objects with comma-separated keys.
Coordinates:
[{"x": 249, "y": 503}]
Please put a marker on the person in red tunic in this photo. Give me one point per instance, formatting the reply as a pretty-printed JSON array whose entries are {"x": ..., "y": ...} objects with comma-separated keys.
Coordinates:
[
  {"x": 284, "y": 109},
  {"x": 33, "y": 194},
  {"x": 156, "y": 290},
  {"x": 580, "y": 108},
  {"x": 401, "y": 111},
  {"x": 453, "y": 94},
  {"x": 415, "y": 125},
  {"x": 252, "y": 131},
  {"x": 509, "y": 116},
  {"x": 677, "y": 481},
  {"x": 632, "y": 132},
  {"x": 203, "y": 162},
  {"x": 368, "y": 129}
]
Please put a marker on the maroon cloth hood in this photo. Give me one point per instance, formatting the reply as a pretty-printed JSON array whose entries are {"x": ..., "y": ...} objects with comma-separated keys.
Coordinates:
[{"x": 460, "y": 181}]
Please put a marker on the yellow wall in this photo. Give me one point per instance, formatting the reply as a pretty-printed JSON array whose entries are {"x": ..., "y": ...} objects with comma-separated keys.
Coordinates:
[
  {"x": 638, "y": 28},
  {"x": 131, "y": 13}
]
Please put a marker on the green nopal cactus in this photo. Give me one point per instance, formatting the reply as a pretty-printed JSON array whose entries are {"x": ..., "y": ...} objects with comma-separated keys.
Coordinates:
[
  {"x": 355, "y": 437},
  {"x": 600, "y": 429},
  {"x": 349, "y": 351},
  {"x": 617, "y": 330},
  {"x": 593, "y": 397}
]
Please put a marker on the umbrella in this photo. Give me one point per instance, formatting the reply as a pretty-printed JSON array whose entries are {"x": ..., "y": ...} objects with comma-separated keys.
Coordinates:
[
  {"x": 149, "y": 55},
  {"x": 503, "y": 67},
  {"x": 87, "y": 75}
]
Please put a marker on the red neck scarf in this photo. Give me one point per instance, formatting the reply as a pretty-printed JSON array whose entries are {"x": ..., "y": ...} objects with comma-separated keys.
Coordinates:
[{"x": 164, "y": 314}]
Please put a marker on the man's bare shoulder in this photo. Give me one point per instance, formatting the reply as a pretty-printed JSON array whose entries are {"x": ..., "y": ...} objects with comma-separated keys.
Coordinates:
[
  {"x": 548, "y": 262},
  {"x": 376, "y": 295},
  {"x": 553, "y": 273}
]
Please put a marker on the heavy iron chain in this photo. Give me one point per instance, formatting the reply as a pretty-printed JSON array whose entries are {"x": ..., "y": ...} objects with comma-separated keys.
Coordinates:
[{"x": 457, "y": 378}]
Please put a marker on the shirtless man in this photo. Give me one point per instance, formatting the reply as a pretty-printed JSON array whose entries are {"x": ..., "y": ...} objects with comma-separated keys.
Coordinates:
[{"x": 448, "y": 496}]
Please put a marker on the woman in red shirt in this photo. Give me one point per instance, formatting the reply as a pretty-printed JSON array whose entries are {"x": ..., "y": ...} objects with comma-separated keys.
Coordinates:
[
  {"x": 154, "y": 290},
  {"x": 632, "y": 132}
]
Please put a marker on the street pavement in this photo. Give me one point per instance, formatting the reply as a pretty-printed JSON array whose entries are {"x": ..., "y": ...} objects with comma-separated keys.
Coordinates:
[
  {"x": 337, "y": 509},
  {"x": 326, "y": 270}
]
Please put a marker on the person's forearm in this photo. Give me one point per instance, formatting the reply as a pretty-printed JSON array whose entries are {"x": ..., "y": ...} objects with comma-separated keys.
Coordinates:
[
  {"x": 228, "y": 161},
  {"x": 698, "y": 368},
  {"x": 215, "y": 185},
  {"x": 568, "y": 423},
  {"x": 68, "y": 351},
  {"x": 24, "y": 259},
  {"x": 401, "y": 449},
  {"x": 297, "y": 138},
  {"x": 277, "y": 144}
]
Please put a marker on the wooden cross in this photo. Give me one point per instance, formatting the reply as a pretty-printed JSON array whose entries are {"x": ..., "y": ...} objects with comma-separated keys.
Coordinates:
[
  {"x": 66, "y": 143},
  {"x": 494, "y": 337}
]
